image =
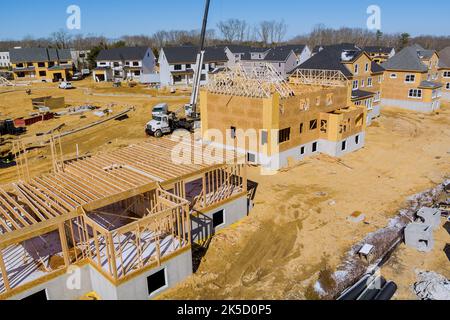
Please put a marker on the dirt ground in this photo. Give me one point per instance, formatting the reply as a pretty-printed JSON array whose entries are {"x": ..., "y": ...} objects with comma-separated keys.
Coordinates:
[
  {"x": 299, "y": 224},
  {"x": 109, "y": 135}
]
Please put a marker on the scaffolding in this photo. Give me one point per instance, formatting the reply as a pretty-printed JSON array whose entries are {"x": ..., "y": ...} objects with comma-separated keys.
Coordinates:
[{"x": 260, "y": 81}]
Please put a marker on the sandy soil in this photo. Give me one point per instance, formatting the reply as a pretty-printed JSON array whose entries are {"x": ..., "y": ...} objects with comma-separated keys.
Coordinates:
[
  {"x": 299, "y": 224},
  {"x": 110, "y": 135}
]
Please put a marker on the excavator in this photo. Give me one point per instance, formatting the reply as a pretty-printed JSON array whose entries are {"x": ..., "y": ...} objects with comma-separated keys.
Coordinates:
[{"x": 165, "y": 122}]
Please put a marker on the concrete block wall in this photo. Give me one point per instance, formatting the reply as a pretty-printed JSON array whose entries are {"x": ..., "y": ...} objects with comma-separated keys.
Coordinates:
[
  {"x": 176, "y": 269},
  {"x": 335, "y": 149},
  {"x": 416, "y": 106},
  {"x": 202, "y": 223},
  {"x": 446, "y": 95}
]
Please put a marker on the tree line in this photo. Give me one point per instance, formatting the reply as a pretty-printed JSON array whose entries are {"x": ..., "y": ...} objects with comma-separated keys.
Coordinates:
[{"x": 265, "y": 33}]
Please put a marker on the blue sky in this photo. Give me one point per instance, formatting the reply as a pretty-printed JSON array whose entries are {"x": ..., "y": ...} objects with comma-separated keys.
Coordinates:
[{"x": 114, "y": 18}]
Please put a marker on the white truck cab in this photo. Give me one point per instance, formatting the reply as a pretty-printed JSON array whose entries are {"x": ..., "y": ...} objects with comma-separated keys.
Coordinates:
[{"x": 161, "y": 122}]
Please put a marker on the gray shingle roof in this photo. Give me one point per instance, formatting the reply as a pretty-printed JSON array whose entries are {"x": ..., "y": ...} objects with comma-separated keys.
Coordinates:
[
  {"x": 444, "y": 58},
  {"x": 430, "y": 84},
  {"x": 297, "y": 48},
  {"x": 188, "y": 54},
  {"x": 376, "y": 68},
  {"x": 279, "y": 54},
  {"x": 327, "y": 59},
  {"x": 406, "y": 60},
  {"x": 39, "y": 55},
  {"x": 121, "y": 54},
  {"x": 378, "y": 49},
  {"x": 359, "y": 94}
]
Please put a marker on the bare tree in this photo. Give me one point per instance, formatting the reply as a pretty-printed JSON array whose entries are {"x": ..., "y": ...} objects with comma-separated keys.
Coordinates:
[
  {"x": 264, "y": 31},
  {"x": 61, "y": 39},
  {"x": 232, "y": 30},
  {"x": 279, "y": 31}
]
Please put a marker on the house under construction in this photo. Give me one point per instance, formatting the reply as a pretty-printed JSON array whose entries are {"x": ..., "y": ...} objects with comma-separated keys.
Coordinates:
[
  {"x": 120, "y": 224},
  {"x": 292, "y": 119}
]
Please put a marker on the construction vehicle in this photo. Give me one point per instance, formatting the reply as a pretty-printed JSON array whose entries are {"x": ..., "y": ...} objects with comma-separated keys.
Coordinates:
[{"x": 167, "y": 122}]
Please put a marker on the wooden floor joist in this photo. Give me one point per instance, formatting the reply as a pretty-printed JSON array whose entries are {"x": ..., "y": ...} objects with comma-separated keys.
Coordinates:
[{"x": 93, "y": 178}]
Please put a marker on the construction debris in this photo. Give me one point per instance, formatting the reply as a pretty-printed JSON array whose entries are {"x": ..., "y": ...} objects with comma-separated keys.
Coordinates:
[
  {"x": 384, "y": 240},
  {"x": 420, "y": 237},
  {"x": 432, "y": 286}
]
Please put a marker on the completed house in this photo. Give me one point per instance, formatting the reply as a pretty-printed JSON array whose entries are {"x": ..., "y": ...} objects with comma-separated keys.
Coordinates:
[
  {"x": 283, "y": 59},
  {"x": 126, "y": 63},
  {"x": 444, "y": 72},
  {"x": 380, "y": 54},
  {"x": 236, "y": 53},
  {"x": 5, "y": 61},
  {"x": 41, "y": 64},
  {"x": 363, "y": 77},
  {"x": 411, "y": 80},
  {"x": 302, "y": 51},
  {"x": 177, "y": 64}
]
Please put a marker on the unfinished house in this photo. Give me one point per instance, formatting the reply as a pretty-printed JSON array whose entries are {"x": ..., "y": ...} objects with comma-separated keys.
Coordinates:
[
  {"x": 379, "y": 54},
  {"x": 120, "y": 224},
  {"x": 362, "y": 75},
  {"x": 275, "y": 122},
  {"x": 41, "y": 64},
  {"x": 444, "y": 73},
  {"x": 411, "y": 80}
]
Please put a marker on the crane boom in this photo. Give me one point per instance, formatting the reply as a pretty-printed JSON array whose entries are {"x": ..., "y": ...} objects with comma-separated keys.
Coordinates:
[{"x": 200, "y": 59}]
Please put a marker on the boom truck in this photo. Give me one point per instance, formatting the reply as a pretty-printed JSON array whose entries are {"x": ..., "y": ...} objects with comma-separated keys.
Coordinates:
[{"x": 165, "y": 122}]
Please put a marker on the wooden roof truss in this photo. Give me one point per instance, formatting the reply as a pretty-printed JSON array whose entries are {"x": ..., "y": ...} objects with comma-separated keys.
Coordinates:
[
  {"x": 329, "y": 78},
  {"x": 250, "y": 81}
]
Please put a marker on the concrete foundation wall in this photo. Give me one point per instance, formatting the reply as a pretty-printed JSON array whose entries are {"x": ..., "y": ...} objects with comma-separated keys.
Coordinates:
[
  {"x": 373, "y": 114},
  {"x": 331, "y": 148},
  {"x": 445, "y": 96},
  {"x": 57, "y": 288},
  {"x": 335, "y": 149},
  {"x": 202, "y": 224},
  {"x": 424, "y": 107},
  {"x": 176, "y": 270}
]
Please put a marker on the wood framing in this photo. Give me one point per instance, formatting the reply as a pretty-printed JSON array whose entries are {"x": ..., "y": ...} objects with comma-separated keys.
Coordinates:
[
  {"x": 121, "y": 211},
  {"x": 252, "y": 82},
  {"x": 331, "y": 78}
]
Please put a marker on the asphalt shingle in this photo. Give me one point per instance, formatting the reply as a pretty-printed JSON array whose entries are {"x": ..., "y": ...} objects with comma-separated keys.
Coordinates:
[
  {"x": 122, "y": 54},
  {"x": 406, "y": 60}
]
